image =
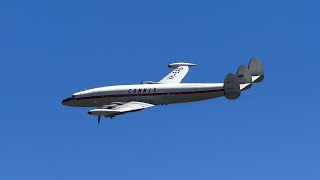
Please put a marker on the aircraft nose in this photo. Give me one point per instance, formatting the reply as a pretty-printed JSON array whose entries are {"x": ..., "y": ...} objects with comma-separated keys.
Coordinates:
[{"x": 65, "y": 101}]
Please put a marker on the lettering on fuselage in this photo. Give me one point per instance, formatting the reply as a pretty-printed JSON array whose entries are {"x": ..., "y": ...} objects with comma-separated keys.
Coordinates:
[{"x": 142, "y": 91}]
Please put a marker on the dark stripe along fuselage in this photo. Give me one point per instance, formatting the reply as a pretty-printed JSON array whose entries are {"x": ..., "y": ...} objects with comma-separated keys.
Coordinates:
[{"x": 153, "y": 94}]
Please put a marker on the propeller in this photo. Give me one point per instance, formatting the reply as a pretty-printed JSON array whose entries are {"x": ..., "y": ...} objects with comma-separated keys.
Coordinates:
[{"x": 99, "y": 117}]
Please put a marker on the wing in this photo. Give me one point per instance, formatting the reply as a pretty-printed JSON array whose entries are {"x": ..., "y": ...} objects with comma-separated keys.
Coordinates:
[
  {"x": 119, "y": 108},
  {"x": 132, "y": 106},
  {"x": 177, "y": 75}
]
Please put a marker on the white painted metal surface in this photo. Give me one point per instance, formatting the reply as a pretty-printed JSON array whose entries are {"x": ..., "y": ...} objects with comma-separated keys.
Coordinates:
[{"x": 116, "y": 100}]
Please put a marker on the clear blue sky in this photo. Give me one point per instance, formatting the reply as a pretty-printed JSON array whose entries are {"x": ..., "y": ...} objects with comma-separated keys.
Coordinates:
[{"x": 50, "y": 49}]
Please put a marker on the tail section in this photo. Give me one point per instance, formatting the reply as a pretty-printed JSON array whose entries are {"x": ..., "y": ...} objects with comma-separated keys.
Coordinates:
[
  {"x": 244, "y": 77},
  {"x": 254, "y": 73},
  {"x": 231, "y": 87},
  {"x": 256, "y": 69}
]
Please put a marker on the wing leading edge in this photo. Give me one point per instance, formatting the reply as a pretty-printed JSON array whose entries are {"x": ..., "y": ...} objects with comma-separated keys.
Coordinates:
[{"x": 119, "y": 108}]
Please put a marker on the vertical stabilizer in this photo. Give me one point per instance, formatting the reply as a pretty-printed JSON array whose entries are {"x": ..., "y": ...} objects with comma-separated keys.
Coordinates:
[
  {"x": 231, "y": 87},
  {"x": 256, "y": 69}
]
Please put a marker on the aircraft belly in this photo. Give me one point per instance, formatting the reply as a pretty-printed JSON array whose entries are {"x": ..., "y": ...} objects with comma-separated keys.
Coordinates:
[
  {"x": 156, "y": 100},
  {"x": 91, "y": 102}
]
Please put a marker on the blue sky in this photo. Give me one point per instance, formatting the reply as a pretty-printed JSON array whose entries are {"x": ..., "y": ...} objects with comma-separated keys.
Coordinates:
[{"x": 50, "y": 49}]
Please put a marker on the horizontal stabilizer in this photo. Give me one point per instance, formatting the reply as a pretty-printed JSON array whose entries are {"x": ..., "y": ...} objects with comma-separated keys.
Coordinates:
[
  {"x": 254, "y": 73},
  {"x": 244, "y": 77}
]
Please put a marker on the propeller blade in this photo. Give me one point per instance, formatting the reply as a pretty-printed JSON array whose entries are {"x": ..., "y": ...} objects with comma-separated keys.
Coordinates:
[{"x": 99, "y": 118}]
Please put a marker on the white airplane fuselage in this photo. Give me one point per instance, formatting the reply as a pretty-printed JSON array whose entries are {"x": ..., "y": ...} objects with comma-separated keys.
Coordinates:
[
  {"x": 157, "y": 94},
  {"x": 111, "y": 101}
]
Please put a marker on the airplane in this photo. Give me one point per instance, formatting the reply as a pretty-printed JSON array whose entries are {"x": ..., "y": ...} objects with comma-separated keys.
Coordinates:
[{"x": 111, "y": 101}]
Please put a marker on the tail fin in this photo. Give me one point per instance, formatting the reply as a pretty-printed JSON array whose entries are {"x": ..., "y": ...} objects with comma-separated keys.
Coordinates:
[
  {"x": 257, "y": 70},
  {"x": 244, "y": 77},
  {"x": 231, "y": 87}
]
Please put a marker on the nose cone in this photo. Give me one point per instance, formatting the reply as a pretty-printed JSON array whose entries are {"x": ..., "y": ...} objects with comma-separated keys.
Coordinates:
[{"x": 66, "y": 101}]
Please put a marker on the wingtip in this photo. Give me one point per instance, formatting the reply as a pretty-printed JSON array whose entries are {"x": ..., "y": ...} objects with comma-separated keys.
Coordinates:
[{"x": 177, "y": 64}]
